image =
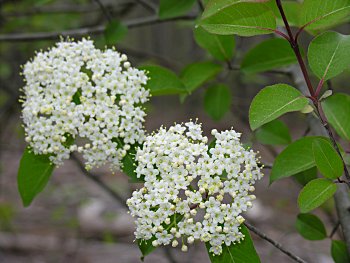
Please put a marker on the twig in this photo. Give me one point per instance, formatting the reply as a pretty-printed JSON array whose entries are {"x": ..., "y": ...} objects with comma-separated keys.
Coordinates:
[
  {"x": 69, "y": 9},
  {"x": 86, "y": 31},
  {"x": 200, "y": 4},
  {"x": 148, "y": 5},
  {"x": 96, "y": 179},
  {"x": 334, "y": 230},
  {"x": 274, "y": 243},
  {"x": 104, "y": 10}
]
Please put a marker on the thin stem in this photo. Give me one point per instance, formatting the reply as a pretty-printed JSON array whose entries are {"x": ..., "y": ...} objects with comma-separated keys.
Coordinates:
[
  {"x": 200, "y": 4},
  {"x": 147, "y": 5},
  {"x": 319, "y": 87},
  {"x": 22, "y": 37},
  {"x": 104, "y": 10},
  {"x": 296, "y": 49},
  {"x": 97, "y": 180},
  {"x": 274, "y": 243}
]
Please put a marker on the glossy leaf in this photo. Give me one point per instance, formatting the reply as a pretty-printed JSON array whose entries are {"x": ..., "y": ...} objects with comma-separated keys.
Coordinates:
[
  {"x": 272, "y": 102},
  {"x": 291, "y": 9},
  {"x": 339, "y": 252},
  {"x": 217, "y": 101},
  {"x": 242, "y": 252},
  {"x": 328, "y": 54},
  {"x": 337, "y": 111},
  {"x": 273, "y": 133},
  {"x": 306, "y": 176},
  {"x": 297, "y": 157},
  {"x": 239, "y": 18},
  {"x": 163, "y": 81},
  {"x": 194, "y": 75},
  {"x": 269, "y": 54},
  {"x": 327, "y": 159},
  {"x": 220, "y": 47},
  {"x": 310, "y": 227},
  {"x": 319, "y": 15},
  {"x": 33, "y": 174},
  {"x": 174, "y": 8},
  {"x": 315, "y": 193},
  {"x": 114, "y": 32}
]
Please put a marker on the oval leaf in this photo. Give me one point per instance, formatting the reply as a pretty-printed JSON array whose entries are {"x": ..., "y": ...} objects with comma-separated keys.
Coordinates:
[
  {"x": 317, "y": 14},
  {"x": 269, "y": 54},
  {"x": 239, "y": 18},
  {"x": 337, "y": 111},
  {"x": 33, "y": 174},
  {"x": 327, "y": 159},
  {"x": 220, "y": 47},
  {"x": 194, "y": 75},
  {"x": 273, "y": 133},
  {"x": 328, "y": 54},
  {"x": 315, "y": 193},
  {"x": 173, "y": 8},
  {"x": 306, "y": 176},
  {"x": 274, "y": 101},
  {"x": 114, "y": 32},
  {"x": 339, "y": 252},
  {"x": 163, "y": 81},
  {"x": 242, "y": 252},
  {"x": 310, "y": 227},
  {"x": 297, "y": 157},
  {"x": 217, "y": 101}
]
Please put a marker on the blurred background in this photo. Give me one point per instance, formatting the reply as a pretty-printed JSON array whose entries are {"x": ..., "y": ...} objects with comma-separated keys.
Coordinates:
[{"x": 75, "y": 219}]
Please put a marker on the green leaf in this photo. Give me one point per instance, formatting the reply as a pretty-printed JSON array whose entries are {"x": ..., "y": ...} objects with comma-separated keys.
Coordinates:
[
  {"x": 163, "y": 81},
  {"x": 194, "y": 75},
  {"x": 242, "y": 252},
  {"x": 310, "y": 227},
  {"x": 217, "y": 101},
  {"x": 337, "y": 111},
  {"x": 291, "y": 9},
  {"x": 319, "y": 15},
  {"x": 33, "y": 174},
  {"x": 328, "y": 54},
  {"x": 269, "y": 54},
  {"x": 272, "y": 102},
  {"x": 114, "y": 32},
  {"x": 220, "y": 47},
  {"x": 240, "y": 18},
  {"x": 327, "y": 159},
  {"x": 129, "y": 162},
  {"x": 306, "y": 176},
  {"x": 273, "y": 133},
  {"x": 297, "y": 157},
  {"x": 174, "y": 8},
  {"x": 315, "y": 193},
  {"x": 339, "y": 252}
]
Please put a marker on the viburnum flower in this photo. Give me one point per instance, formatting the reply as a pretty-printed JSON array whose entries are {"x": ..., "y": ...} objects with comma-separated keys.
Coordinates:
[
  {"x": 76, "y": 91},
  {"x": 193, "y": 191}
]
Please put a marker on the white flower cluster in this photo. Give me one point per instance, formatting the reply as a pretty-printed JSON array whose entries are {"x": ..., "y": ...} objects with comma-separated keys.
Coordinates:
[
  {"x": 193, "y": 191},
  {"x": 75, "y": 90}
]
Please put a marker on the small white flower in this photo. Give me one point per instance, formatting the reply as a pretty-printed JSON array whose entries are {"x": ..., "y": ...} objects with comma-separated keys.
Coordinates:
[
  {"x": 204, "y": 193},
  {"x": 74, "y": 92}
]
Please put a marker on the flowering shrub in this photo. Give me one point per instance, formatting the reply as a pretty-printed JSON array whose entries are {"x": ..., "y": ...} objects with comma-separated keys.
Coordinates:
[
  {"x": 79, "y": 98},
  {"x": 77, "y": 91},
  {"x": 193, "y": 191}
]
